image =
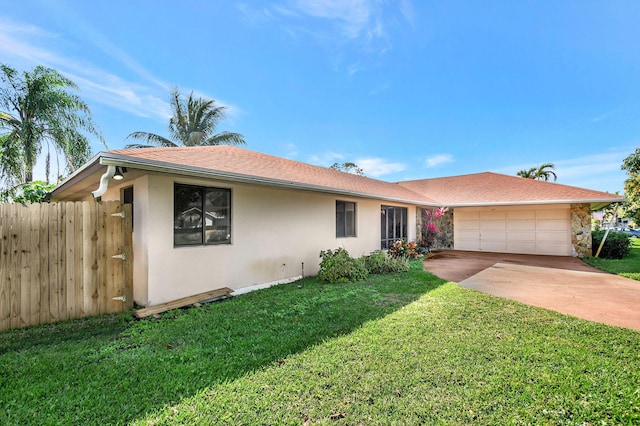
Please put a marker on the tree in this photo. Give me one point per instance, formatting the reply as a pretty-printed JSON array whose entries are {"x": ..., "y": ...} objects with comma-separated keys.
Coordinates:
[
  {"x": 543, "y": 172},
  {"x": 31, "y": 192},
  {"x": 348, "y": 167},
  {"x": 193, "y": 123},
  {"x": 631, "y": 165},
  {"x": 38, "y": 109}
]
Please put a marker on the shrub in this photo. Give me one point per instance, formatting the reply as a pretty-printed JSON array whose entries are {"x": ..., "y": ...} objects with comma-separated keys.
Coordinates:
[
  {"x": 379, "y": 262},
  {"x": 617, "y": 245},
  {"x": 337, "y": 266},
  {"x": 406, "y": 249}
]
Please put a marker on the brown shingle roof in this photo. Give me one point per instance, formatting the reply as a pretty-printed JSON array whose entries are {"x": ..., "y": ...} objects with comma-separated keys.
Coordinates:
[
  {"x": 493, "y": 188},
  {"x": 244, "y": 163}
]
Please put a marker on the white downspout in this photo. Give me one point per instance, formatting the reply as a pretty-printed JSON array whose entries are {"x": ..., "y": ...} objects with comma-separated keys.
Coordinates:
[{"x": 104, "y": 182}]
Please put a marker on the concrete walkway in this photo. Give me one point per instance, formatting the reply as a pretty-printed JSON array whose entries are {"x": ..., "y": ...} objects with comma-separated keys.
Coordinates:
[{"x": 563, "y": 284}]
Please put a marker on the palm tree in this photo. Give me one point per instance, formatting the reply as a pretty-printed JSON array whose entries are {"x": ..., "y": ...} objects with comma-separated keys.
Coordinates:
[
  {"x": 543, "y": 172},
  {"x": 193, "y": 123},
  {"x": 37, "y": 109}
]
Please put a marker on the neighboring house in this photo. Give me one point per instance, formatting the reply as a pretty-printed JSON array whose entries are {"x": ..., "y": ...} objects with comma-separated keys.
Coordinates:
[{"x": 266, "y": 218}]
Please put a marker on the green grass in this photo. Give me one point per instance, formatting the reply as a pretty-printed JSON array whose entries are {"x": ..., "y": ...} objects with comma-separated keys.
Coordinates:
[
  {"x": 396, "y": 349},
  {"x": 628, "y": 267}
]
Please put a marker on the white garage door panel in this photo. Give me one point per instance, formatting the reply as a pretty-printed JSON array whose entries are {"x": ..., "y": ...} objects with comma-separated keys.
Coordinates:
[
  {"x": 521, "y": 247},
  {"x": 493, "y": 235},
  {"x": 493, "y": 224},
  {"x": 553, "y": 225},
  {"x": 554, "y": 249},
  {"x": 496, "y": 246},
  {"x": 552, "y": 237},
  {"x": 552, "y": 214},
  {"x": 521, "y": 236},
  {"x": 521, "y": 225},
  {"x": 468, "y": 225},
  {"x": 489, "y": 215},
  {"x": 469, "y": 215},
  {"x": 469, "y": 235},
  {"x": 529, "y": 229},
  {"x": 521, "y": 215}
]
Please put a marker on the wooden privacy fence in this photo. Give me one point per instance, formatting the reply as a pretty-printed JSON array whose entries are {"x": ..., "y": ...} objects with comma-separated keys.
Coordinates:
[{"x": 64, "y": 260}]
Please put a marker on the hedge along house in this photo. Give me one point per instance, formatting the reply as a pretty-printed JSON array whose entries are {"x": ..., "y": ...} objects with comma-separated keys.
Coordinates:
[{"x": 223, "y": 216}]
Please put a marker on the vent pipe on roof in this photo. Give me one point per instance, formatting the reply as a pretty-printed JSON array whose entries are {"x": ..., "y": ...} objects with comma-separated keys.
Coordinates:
[{"x": 104, "y": 182}]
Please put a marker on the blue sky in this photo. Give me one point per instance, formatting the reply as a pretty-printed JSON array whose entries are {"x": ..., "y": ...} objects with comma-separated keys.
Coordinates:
[{"x": 405, "y": 89}]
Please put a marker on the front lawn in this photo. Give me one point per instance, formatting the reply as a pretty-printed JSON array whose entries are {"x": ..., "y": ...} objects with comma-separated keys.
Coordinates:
[
  {"x": 628, "y": 267},
  {"x": 396, "y": 349}
]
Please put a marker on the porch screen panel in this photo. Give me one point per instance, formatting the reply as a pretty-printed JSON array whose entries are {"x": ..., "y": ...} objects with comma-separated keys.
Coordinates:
[{"x": 393, "y": 222}]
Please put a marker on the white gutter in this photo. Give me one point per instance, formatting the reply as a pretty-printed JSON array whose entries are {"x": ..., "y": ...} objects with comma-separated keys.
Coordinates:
[
  {"x": 157, "y": 166},
  {"x": 104, "y": 182},
  {"x": 534, "y": 202}
]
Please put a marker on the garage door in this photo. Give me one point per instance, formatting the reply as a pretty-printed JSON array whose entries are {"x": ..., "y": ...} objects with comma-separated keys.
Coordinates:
[{"x": 529, "y": 230}]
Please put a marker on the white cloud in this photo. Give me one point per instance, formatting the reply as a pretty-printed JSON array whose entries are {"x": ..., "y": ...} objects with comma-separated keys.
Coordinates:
[
  {"x": 437, "y": 160},
  {"x": 291, "y": 150},
  {"x": 406, "y": 8},
  {"x": 376, "y": 167},
  {"x": 596, "y": 171},
  {"x": 604, "y": 116},
  {"x": 326, "y": 159},
  {"x": 148, "y": 98},
  {"x": 353, "y": 16},
  {"x": 364, "y": 26}
]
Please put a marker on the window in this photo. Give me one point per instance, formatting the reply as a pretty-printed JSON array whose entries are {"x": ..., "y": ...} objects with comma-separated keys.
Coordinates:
[
  {"x": 201, "y": 215},
  {"x": 393, "y": 222},
  {"x": 345, "y": 219}
]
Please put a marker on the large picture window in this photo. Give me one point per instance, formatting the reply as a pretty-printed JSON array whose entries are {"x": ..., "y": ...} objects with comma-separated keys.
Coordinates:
[
  {"x": 393, "y": 222},
  {"x": 201, "y": 215},
  {"x": 345, "y": 219}
]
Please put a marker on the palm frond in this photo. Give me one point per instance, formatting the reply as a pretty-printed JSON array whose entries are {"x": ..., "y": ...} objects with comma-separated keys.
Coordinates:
[
  {"x": 225, "y": 138},
  {"x": 151, "y": 139},
  {"x": 193, "y": 123}
]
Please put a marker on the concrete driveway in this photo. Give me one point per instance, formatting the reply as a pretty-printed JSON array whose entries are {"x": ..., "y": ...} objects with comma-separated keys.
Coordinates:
[{"x": 563, "y": 284}]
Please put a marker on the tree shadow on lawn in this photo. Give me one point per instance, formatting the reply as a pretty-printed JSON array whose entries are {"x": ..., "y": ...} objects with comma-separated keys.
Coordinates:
[{"x": 151, "y": 363}]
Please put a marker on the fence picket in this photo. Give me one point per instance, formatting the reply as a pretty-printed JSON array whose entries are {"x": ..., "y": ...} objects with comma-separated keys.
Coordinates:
[
  {"x": 79, "y": 256},
  {"x": 53, "y": 262},
  {"x": 14, "y": 220},
  {"x": 32, "y": 218},
  {"x": 25, "y": 266},
  {"x": 56, "y": 264},
  {"x": 5, "y": 265},
  {"x": 42, "y": 227}
]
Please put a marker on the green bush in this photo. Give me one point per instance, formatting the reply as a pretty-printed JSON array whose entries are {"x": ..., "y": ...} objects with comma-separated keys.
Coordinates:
[
  {"x": 617, "y": 245},
  {"x": 381, "y": 263},
  {"x": 337, "y": 266}
]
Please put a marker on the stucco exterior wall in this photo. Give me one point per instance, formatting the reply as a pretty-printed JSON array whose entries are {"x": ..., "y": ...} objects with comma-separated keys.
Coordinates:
[
  {"x": 274, "y": 232},
  {"x": 581, "y": 230}
]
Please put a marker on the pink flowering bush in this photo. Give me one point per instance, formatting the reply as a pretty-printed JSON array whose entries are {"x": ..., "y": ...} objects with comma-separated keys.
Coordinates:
[{"x": 431, "y": 226}]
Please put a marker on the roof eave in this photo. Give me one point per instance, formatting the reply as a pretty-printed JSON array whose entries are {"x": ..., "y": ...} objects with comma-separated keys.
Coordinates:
[
  {"x": 79, "y": 175},
  {"x": 593, "y": 201},
  {"x": 109, "y": 159}
]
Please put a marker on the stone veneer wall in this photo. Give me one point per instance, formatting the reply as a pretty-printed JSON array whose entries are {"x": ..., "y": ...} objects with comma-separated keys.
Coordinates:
[
  {"x": 581, "y": 230},
  {"x": 444, "y": 238}
]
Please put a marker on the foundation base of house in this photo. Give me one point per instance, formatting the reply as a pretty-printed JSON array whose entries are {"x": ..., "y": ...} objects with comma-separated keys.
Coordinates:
[{"x": 265, "y": 285}]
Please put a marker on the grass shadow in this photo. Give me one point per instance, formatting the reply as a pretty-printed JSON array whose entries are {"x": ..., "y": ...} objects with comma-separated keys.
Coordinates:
[{"x": 126, "y": 369}]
